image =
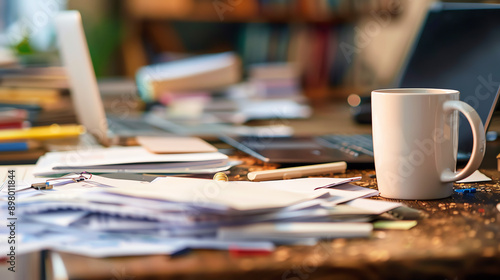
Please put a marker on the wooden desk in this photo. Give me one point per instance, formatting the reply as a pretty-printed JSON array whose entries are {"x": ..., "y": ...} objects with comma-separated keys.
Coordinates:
[{"x": 457, "y": 238}]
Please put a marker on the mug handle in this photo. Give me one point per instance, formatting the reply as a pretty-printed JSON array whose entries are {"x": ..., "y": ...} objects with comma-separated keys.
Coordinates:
[{"x": 479, "y": 145}]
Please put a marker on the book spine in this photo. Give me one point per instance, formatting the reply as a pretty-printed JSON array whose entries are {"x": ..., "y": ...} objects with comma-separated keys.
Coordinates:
[{"x": 14, "y": 124}]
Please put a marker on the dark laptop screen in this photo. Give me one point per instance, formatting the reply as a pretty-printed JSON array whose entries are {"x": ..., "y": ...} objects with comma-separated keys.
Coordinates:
[{"x": 459, "y": 48}]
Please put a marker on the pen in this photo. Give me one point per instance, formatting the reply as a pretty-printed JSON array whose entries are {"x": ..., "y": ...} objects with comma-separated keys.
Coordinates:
[
  {"x": 299, "y": 171},
  {"x": 18, "y": 146}
]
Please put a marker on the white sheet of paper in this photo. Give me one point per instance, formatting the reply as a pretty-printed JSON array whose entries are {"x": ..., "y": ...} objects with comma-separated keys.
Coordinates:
[
  {"x": 394, "y": 225},
  {"x": 477, "y": 176},
  {"x": 339, "y": 188},
  {"x": 140, "y": 170},
  {"x": 348, "y": 192},
  {"x": 101, "y": 157},
  {"x": 60, "y": 218},
  {"x": 113, "y": 247},
  {"x": 278, "y": 231},
  {"x": 35, "y": 243},
  {"x": 237, "y": 195},
  {"x": 216, "y": 244},
  {"x": 306, "y": 185},
  {"x": 22, "y": 173},
  {"x": 376, "y": 207}
]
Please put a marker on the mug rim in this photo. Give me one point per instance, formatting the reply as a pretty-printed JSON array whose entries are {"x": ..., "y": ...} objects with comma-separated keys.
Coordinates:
[{"x": 415, "y": 91}]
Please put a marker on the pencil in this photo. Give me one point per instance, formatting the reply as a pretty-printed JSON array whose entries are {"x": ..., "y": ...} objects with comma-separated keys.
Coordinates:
[
  {"x": 297, "y": 172},
  {"x": 41, "y": 132}
]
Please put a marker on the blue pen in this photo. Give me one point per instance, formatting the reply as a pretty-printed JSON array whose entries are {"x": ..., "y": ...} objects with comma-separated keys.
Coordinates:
[{"x": 14, "y": 146}]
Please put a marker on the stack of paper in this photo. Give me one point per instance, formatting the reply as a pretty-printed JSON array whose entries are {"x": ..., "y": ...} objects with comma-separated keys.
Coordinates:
[
  {"x": 108, "y": 217},
  {"x": 129, "y": 160}
]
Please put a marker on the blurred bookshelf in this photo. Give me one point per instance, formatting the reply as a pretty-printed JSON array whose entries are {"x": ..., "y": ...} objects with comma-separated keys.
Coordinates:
[
  {"x": 318, "y": 36},
  {"x": 256, "y": 10}
]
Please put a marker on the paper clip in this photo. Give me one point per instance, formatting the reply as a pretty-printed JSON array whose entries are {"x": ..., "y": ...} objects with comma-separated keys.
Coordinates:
[{"x": 50, "y": 183}]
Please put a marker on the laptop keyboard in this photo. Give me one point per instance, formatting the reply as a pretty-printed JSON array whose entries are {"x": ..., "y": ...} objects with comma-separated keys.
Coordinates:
[
  {"x": 355, "y": 144},
  {"x": 132, "y": 126}
]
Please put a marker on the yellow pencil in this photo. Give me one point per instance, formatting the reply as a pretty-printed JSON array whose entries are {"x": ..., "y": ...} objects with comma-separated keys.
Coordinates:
[{"x": 42, "y": 132}]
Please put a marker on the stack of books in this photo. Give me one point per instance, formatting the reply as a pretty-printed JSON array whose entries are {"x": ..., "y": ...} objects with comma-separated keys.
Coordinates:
[{"x": 13, "y": 118}]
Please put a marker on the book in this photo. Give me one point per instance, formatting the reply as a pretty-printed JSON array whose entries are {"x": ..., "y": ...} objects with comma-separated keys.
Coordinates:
[
  {"x": 210, "y": 71},
  {"x": 11, "y": 118},
  {"x": 34, "y": 77},
  {"x": 45, "y": 97}
]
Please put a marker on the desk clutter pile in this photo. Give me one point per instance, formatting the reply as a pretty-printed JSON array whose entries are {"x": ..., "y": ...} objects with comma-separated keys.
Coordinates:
[{"x": 98, "y": 216}]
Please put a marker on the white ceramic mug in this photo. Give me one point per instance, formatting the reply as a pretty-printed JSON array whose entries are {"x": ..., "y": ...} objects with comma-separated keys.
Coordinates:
[{"x": 415, "y": 141}]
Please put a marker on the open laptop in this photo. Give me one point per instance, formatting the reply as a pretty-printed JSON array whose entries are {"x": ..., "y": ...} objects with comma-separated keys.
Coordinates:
[
  {"x": 458, "y": 47},
  {"x": 113, "y": 129},
  {"x": 85, "y": 94}
]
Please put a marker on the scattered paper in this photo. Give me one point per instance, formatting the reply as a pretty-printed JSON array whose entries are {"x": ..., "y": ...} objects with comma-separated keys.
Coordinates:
[
  {"x": 59, "y": 218},
  {"x": 126, "y": 159},
  {"x": 306, "y": 185},
  {"x": 116, "y": 245},
  {"x": 348, "y": 192},
  {"x": 105, "y": 217},
  {"x": 236, "y": 195},
  {"x": 375, "y": 207}
]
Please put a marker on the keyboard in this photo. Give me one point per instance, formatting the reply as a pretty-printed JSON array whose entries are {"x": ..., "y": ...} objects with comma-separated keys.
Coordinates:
[
  {"x": 355, "y": 144},
  {"x": 132, "y": 126}
]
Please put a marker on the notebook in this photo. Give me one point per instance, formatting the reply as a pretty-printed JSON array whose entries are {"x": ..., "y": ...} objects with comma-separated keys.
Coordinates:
[{"x": 459, "y": 42}]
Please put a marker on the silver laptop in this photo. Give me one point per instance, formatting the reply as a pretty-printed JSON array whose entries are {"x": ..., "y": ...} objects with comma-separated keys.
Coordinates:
[{"x": 85, "y": 93}]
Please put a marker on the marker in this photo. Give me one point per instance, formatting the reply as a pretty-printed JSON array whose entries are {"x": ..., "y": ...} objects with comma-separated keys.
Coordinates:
[{"x": 297, "y": 172}]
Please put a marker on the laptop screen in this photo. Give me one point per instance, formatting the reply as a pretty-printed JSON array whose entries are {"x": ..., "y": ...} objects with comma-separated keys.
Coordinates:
[
  {"x": 76, "y": 59},
  {"x": 459, "y": 48}
]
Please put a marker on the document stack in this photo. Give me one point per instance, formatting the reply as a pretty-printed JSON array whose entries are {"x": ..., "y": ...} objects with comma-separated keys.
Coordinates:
[
  {"x": 132, "y": 159},
  {"x": 100, "y": 217}
]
